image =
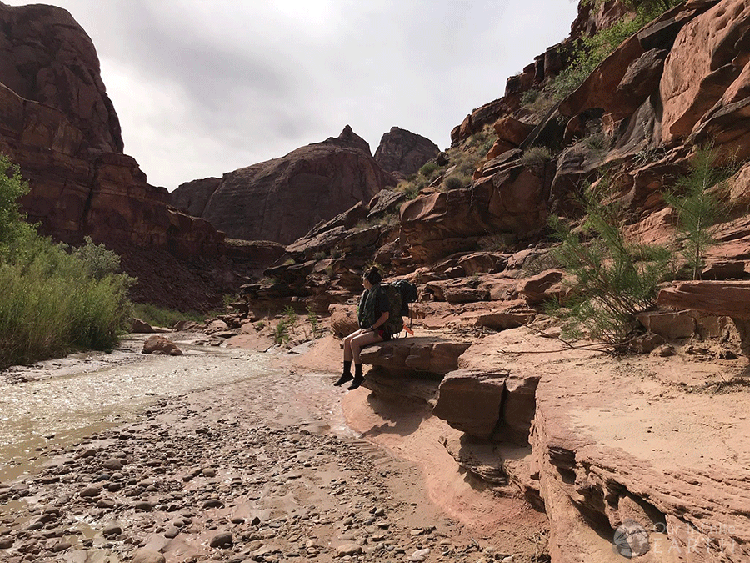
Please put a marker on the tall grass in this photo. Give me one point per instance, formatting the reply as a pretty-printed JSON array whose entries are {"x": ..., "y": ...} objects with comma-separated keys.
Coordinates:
[
  {"x": 53, "y": 301},
  {"x": 157, "y": 316},
  {"x": 50, "y": 306}
]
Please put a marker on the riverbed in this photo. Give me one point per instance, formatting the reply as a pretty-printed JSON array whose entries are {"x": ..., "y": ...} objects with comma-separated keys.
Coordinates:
[{"x": 232, "y": 455}]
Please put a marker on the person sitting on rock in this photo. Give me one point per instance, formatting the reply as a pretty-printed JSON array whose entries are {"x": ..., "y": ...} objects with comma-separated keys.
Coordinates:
[{"x": 372, "y": 315}]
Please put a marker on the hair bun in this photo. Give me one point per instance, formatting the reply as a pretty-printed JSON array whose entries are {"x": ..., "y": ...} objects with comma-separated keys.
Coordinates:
[{"x": 373, "y": 276}]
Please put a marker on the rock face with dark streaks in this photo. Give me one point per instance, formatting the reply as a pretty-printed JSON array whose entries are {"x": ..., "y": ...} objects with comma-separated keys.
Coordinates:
[
  {"x": 283, "y": 198},
  {"x": 192, "y": 197}
]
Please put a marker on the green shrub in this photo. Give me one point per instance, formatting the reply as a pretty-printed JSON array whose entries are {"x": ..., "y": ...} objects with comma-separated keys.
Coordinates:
[
  {"x": 530, "y": 96},
  {"x": 98, "y": 261},
  {"x": 53, "y": 301},
  {"x": 613, "y": 280},
  {"x": 536, "y": 155},
  {"x": 158, "y": 316},
  {"x": 281, "y": 334},
  {"x": 312, "y": 318},
  {"x": 455, "y": 183},
  {"x": 428, "y": 168},
  {"x": 698, "y": 209},
  {"x": 597, "y": 142},
  {"x": 50, "y": 306},
  {"x": 591, "y": 51}
]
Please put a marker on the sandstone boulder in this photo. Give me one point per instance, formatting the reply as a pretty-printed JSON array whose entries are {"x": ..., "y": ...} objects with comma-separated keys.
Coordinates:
[
  {"x": 137, "y": 326},
  {"x": 511, "y": 131},
  {"x": 542, "y": 287},
  {"x": 470, "y": 401},
  {"x": 343, "y": 320},
  {"x": 717, "y": 298},
  {"x": 160, "y": 345},
  {"x": 403, "y": 153},
  {"x": 488, "y": 404},
  {"x": 428, "y": 355}
]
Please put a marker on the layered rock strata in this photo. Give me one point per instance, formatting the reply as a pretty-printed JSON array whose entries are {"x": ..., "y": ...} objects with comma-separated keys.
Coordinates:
[{"x": 46, "y": 57}]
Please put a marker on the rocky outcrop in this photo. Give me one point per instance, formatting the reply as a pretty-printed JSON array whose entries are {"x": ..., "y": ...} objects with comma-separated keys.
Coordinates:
[
  {"x": 282, "y": 199},
  {"x": 410, "y": 368},
  {"x": 510, "y": 197},
  {"x": 429, "y": 355},
  {"x": 592, "y": 17},
  {"x": 708, "y": 56},
  {"x": 471, "y": 401},
  {"x": 46, "y": 57},
  {"x": 721, "y": 298},
  {"x": 192, "y": 197},
  {"x": 403, "y": 153}
]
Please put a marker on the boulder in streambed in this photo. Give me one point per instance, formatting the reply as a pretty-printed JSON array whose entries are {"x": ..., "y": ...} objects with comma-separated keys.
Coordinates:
[{"x": 160, "y": 345}]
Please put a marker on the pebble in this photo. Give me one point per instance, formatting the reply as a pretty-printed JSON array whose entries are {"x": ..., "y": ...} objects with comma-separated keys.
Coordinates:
[
  {"x": 348, "y": 549},
  {"x": 222, "y": 540},
  {"x": 160, "y": 487},
  {"x": 147, "y": 556},
  {"x": 92, "y": 491},
  {"x": 113, "y": 464}
]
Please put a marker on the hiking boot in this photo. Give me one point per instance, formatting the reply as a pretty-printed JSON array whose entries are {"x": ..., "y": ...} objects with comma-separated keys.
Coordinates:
[
  {"x": 343, "y": 379},
  {"x": 356, "y": 382},
  {"x": 358, "y": 379},
  {"x": 346, "y": 375}
]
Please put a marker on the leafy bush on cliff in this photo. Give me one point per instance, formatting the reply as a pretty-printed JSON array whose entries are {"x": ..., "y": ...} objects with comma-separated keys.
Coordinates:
[
  {"x": 462, "y": 162},
  {"x": 52, "y": 301},
  {"x": 591, "y": 51}
]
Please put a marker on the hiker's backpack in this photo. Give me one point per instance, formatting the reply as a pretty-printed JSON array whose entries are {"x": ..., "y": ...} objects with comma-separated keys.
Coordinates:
[
  {"x": 395, "y": 323},
  {"x": 400, "y": 293},
  {"x": 408, "y": 293}
]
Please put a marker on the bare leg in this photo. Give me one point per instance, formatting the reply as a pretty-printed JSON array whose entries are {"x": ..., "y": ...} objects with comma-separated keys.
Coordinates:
[
  {"x": 360, "y": 341},
  {"x": 348, "y": 343}
]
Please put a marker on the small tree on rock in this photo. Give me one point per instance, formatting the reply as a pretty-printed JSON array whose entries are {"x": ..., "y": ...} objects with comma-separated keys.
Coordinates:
[{"x": 698, "y": 208}]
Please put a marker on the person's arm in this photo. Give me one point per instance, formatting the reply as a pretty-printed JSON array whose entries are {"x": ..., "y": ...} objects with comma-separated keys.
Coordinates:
[
  {"x": 381, "y": 321},
  {"x": 382, "y": 307}
]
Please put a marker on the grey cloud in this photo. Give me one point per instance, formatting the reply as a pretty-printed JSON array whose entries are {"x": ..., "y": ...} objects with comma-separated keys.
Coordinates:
[{"x": 204, "y": 87}]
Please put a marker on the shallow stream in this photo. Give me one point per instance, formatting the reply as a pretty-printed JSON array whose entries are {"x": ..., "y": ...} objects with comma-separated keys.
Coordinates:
[{"x": 56, "y": 403}]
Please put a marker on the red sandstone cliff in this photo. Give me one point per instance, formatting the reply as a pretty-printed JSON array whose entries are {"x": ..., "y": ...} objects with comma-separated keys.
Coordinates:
[
  {"x": 58, "y": 124},
  {"x": 283, "y": 198}
]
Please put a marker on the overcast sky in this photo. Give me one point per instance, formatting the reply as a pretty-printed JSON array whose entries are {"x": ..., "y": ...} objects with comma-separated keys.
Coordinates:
[{"x": 204, "y": 87}]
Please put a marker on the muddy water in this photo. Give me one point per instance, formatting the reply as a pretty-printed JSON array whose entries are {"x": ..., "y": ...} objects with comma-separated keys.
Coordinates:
[{"x": 56, "y": 403}]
